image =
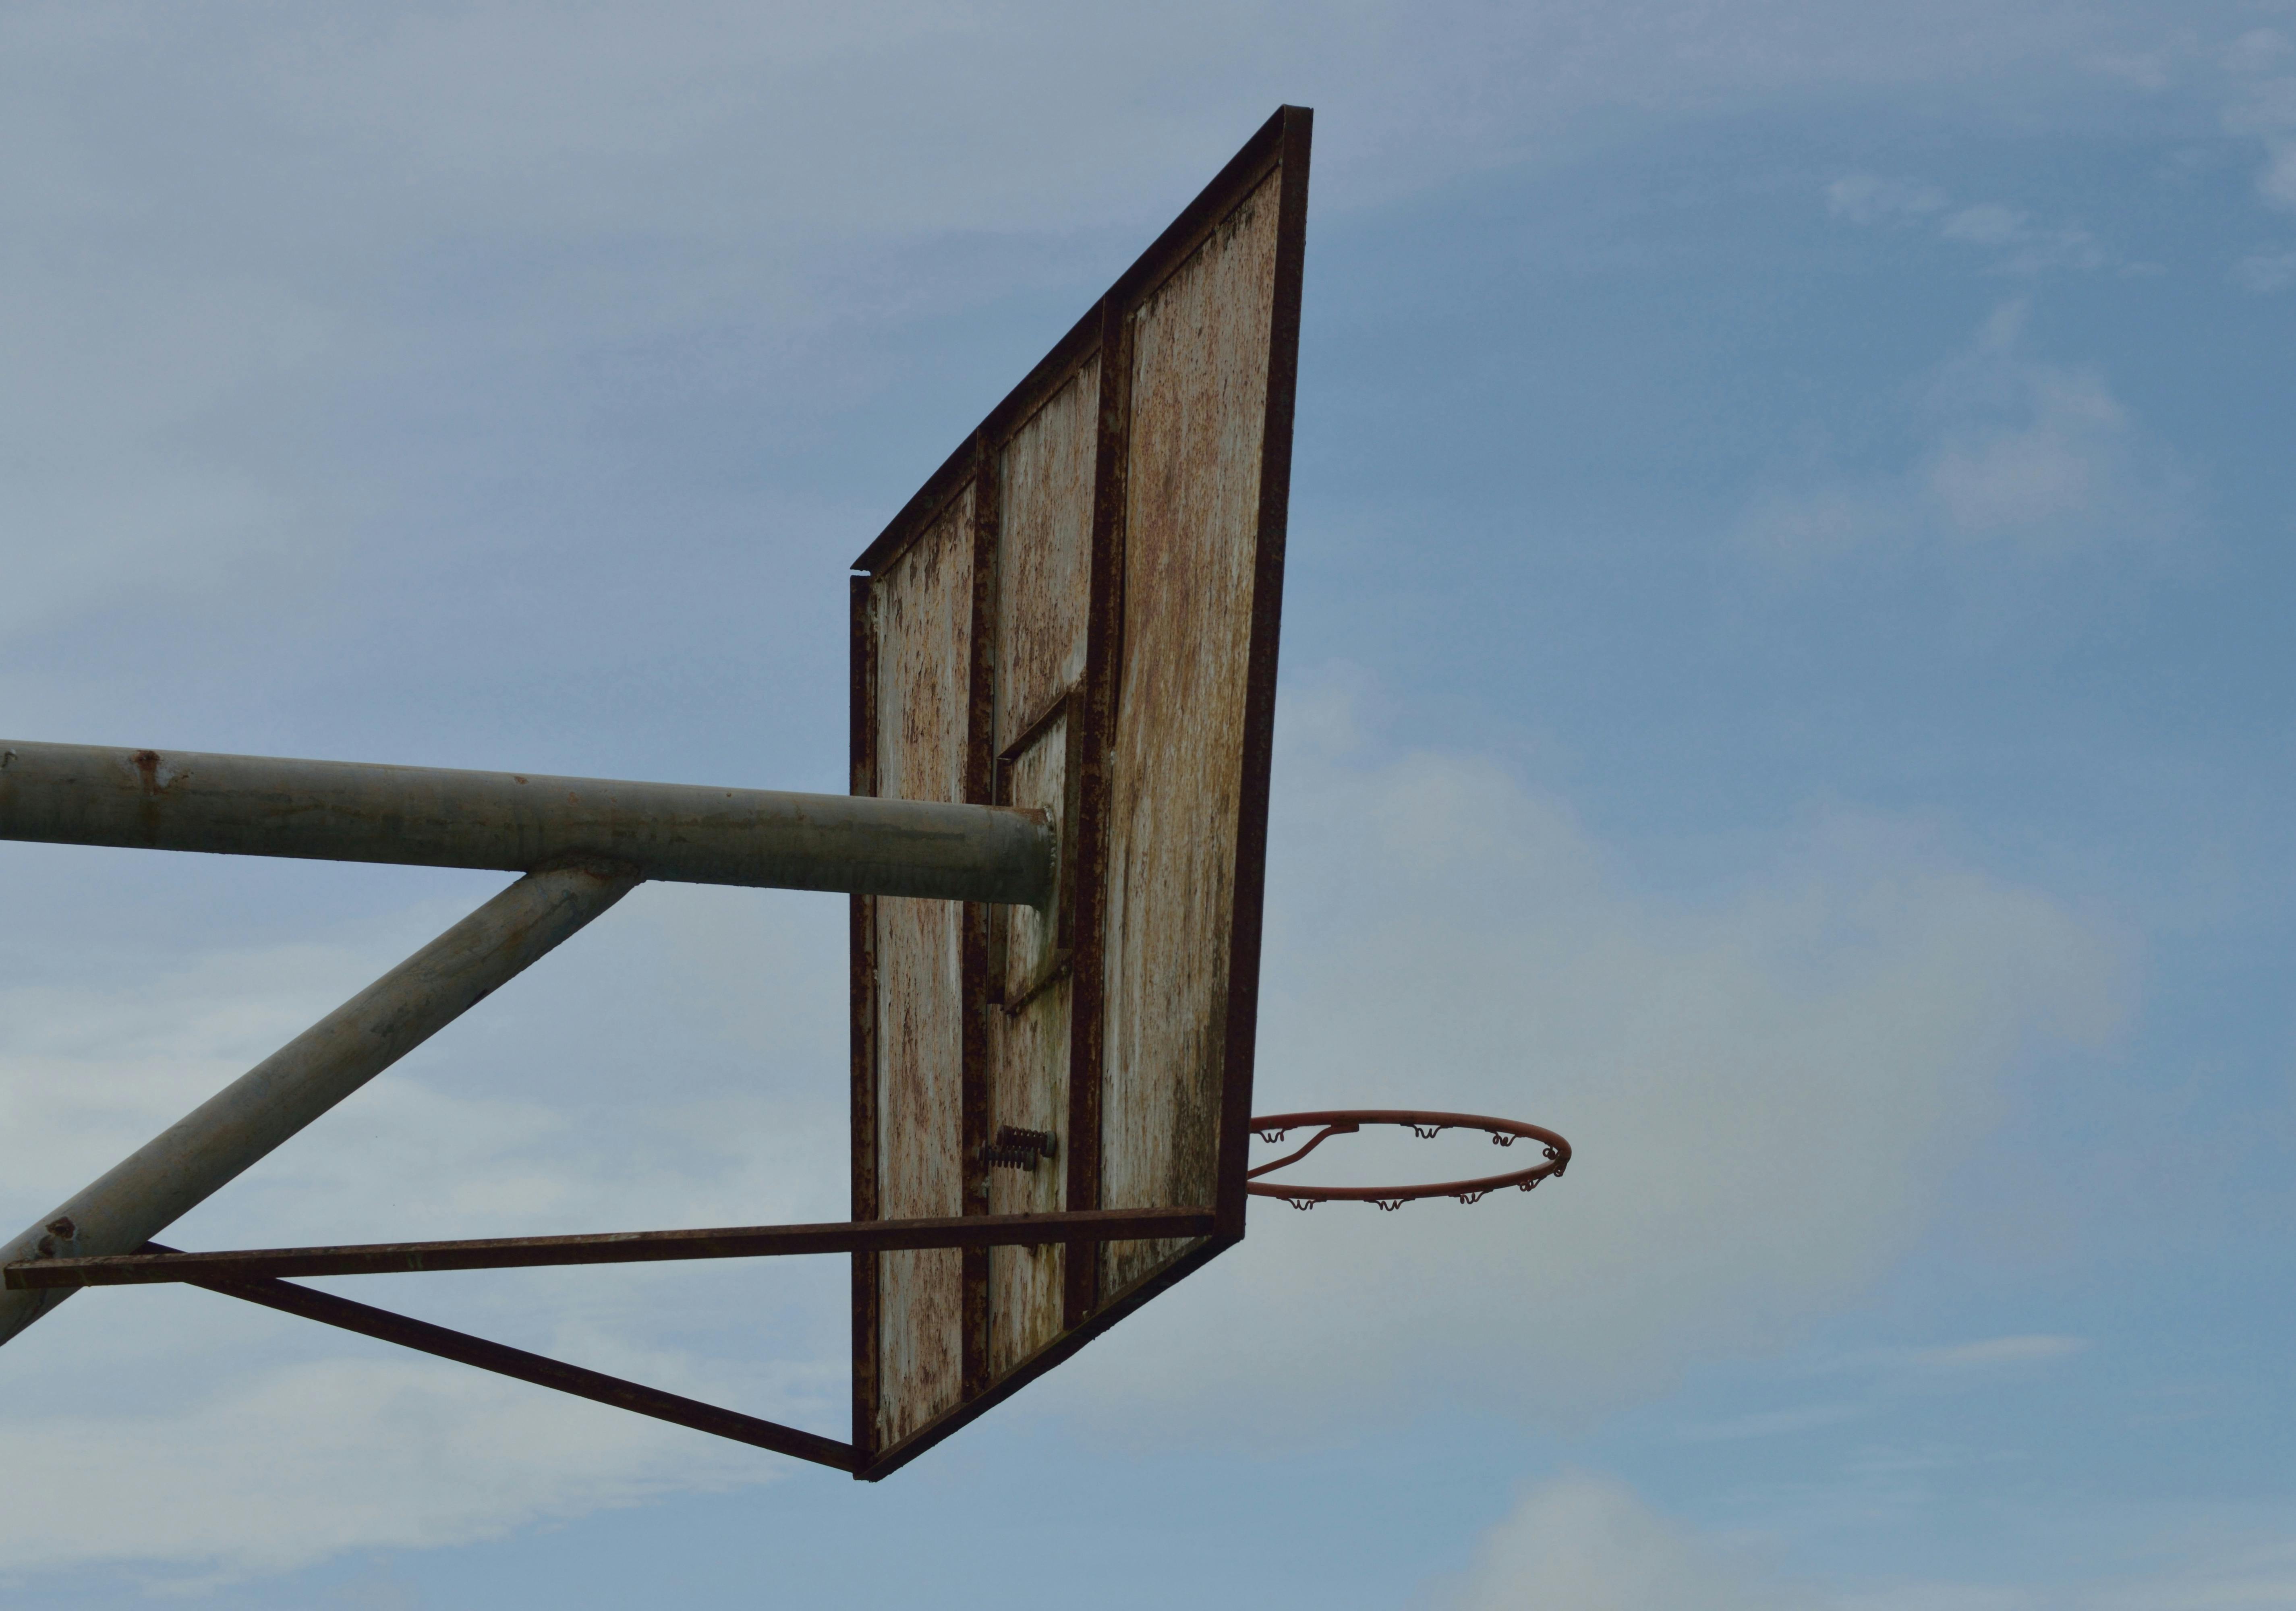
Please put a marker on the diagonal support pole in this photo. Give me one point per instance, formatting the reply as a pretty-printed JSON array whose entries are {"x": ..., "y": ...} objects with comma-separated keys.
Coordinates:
[
  {"x": 464, "y": 1349},
  {"x": 231, "y": 1130}
]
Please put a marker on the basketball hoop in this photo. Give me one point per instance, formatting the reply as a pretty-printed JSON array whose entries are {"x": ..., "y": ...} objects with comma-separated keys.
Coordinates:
[{"x": 1504, "y": 1132}]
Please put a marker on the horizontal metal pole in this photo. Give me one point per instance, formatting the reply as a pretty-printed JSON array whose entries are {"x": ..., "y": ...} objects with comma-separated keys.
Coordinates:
[
  {"x": 464, "y": 1349},
  {"x": 617, "y": 1247},
  {"x": 234, "y": 1128},
  {"x": 77, "y": 794}
]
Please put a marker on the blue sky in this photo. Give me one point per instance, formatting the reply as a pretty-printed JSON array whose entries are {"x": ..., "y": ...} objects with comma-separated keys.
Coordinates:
[{"x": 1784, "y": 681}]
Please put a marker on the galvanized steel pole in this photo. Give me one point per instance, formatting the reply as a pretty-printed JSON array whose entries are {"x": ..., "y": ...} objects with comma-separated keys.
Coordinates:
[
  {"x": 77, "y": 794},
  {"x": 252, "y": 1115}
]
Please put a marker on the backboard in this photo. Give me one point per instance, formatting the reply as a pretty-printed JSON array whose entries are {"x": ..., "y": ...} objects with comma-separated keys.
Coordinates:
[{"x": 1077, "y": 614}]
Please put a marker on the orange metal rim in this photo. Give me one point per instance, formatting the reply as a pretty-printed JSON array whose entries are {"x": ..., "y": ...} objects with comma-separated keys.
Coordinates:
[{"x": 1555, "y": 1155}]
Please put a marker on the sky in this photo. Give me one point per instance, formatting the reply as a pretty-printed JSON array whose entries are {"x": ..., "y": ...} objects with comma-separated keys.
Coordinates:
[{"x": 1783, "y": 682}]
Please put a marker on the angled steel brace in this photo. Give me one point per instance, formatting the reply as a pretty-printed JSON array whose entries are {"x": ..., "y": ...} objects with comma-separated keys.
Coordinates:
[
  {"x": 615, "y": 1248},
  {"x": 231, "y": 1130},
  {"x": 464, "y": 1349},
  {"x": 582, "y": 844}
]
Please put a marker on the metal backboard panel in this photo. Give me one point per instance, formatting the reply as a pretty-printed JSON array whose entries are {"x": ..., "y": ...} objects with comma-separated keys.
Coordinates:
[{"x": 1077, "y": 614}]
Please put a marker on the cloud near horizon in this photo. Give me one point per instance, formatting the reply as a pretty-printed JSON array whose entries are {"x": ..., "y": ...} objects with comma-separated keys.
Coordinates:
[{"x": 1760, "y": 1086}]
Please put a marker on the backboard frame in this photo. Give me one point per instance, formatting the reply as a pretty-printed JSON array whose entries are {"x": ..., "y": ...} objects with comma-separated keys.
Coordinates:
[{"x": 966, "y": 489}]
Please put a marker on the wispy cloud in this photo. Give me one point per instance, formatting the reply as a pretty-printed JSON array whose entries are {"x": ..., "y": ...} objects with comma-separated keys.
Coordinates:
[
  {"x": 2018, "y": 453},
  {"x": 1591, "y": 1542},
  {"x": 1774, "y": 1423},
  {"x": 1995, "y": 1353},
  {"x": 1757, "y": 1093},
  {"x": 2265, "y": 272},
  {"x": 1870, "y": 200},
  {"x": 2029, "y": 247},
  {"x": 2263, "y": 108}
]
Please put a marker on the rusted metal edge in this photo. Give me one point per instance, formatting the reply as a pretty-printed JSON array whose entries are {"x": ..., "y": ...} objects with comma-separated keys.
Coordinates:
[
  {"x": 1034, "y": 729},
  {"x": 611, "y": 1247},
  {"x": 1093, "y": 723},
  {"x": 1056, "y": 969},
  {"x": 1055, "y": 966},
  {"x": 1202, "y": 215},
  {"x": 502, "y": 1360},
  {"x": 1054, "y": 371},
  {"x": 863, "y": 1028},
  {"x": 973, "y": 959},
  {"x": 1266, "y": 148},
  {"x": 1292, "y": 129},
  {"x": 1056, "y": 1352}
]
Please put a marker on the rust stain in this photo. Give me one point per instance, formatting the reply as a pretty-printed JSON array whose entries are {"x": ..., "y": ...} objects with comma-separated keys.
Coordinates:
[
  {"x": 1126, "y": 562},
  {"x": 1029, "y": 1076},
  {"x": 1199, "y": 408},
  {"x": 148, "y": 820},
  {"x": 1043, "y": 621},
  {"x": 1046, "y": 554},
  {"x": 1029, "y": 1060},
  {"x": 923, "y": 620}
]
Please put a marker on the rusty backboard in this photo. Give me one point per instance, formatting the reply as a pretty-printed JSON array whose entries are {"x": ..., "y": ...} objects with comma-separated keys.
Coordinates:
[{"x": 1078, "y": 614}]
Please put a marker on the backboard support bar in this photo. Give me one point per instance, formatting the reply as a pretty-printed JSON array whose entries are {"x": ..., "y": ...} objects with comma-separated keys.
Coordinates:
[
  {"x": 612, "y": 1247},
  {"x": 464, "y": 1349},
  {"x": 427, "y": 816}
]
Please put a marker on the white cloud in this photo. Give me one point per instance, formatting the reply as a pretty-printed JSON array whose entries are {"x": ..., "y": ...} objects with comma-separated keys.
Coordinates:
[
  {"x": 2265, "y": 272},
  {"x": 2217, "y": 1564},
  {"x": 2021, "y": 454},
  {"x": 1774, "y": 1423},
  {"x": 2031, "y": 247},
  {"x": 2042, "y": 455},
  {"x": 1867, "y": 199},
  {"x": 2263, "y": 108},
  {"x": 229, "y": 237},
  {"x": 1592, "y": 1545},
  {"x": 677, "y": 1064},
  {"x": 1996, "y": 1351},
  {"x": 2226, "y": 1574},
  {"x": 1761, "y": 1090},
  {"x": 308, "y": 1461}
]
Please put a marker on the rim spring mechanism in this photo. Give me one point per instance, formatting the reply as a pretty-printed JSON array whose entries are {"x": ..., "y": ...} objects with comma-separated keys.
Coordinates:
[{"x": 1018, "y": 1148}]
